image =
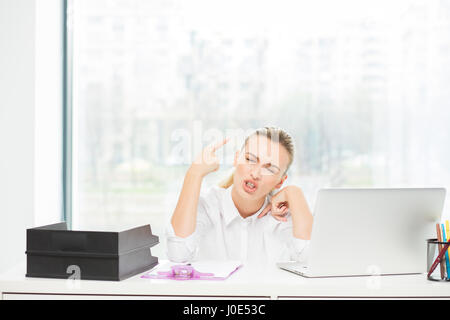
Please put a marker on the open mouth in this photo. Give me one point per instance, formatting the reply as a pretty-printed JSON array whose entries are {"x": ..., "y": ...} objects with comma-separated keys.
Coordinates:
[{"x": 249, "y": 186}]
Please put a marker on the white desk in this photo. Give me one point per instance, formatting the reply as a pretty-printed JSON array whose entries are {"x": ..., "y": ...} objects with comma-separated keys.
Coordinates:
[{"x": 267, "y": 283}]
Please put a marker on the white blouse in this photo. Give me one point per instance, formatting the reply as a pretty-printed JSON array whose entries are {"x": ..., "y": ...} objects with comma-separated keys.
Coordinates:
[{"x": 223, "y": 234}]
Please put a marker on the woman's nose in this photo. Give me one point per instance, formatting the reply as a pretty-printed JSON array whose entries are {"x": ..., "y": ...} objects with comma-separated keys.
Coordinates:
[{"x": 256, "y": 173}]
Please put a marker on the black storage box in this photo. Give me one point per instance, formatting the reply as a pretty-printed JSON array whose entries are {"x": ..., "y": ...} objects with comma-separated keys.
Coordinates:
[{"x": 54, "y": 252}]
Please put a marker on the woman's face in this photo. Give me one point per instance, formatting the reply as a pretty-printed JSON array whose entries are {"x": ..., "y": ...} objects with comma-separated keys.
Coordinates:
[{"x": 260, "y": 167}]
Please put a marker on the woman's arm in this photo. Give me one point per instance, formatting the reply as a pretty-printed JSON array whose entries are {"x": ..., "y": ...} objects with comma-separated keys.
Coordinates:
[
  {"x": 302, "y": 218},
  {"x": 184, "y": 218},
  {"x": 185, "y": 215},
  {"x": 291, "y": 198}
]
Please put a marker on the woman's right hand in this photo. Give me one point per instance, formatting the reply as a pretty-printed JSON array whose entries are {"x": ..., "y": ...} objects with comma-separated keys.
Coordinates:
[{"x": 207, "y": 161}]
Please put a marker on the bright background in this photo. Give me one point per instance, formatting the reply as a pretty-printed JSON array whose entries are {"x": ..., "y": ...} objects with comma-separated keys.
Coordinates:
[{"x": 362, "y": 86}]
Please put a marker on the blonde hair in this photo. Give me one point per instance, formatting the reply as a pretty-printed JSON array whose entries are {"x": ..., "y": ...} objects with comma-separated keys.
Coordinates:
[{"x": 273, "y": 133}]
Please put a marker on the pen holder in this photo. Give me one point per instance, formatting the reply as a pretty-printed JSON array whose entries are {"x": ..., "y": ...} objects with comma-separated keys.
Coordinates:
[{"x": 438, "y": 267}]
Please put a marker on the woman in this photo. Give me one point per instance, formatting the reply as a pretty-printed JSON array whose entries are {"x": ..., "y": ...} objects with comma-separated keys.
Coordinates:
[{"x": 232, "y": 221}]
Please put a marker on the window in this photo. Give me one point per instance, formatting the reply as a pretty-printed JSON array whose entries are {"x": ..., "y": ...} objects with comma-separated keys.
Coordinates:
[{"x": 155, "y": 81}]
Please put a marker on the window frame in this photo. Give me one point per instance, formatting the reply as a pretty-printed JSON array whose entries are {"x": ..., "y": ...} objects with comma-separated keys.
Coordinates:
[{"x": 67, "y": 114}]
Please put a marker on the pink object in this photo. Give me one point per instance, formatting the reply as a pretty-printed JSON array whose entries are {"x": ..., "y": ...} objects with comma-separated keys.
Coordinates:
[{"x": 185, "y": 272}]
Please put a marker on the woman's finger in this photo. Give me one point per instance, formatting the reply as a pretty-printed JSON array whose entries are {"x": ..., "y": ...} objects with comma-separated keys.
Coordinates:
[
  {"x": 282, "y": 204},
  {"x": 280, "y": 215},
  {"x": 219, "y": 144},
  {"x": 279, "y": 208},
  {"x": 265, "y": 210}
]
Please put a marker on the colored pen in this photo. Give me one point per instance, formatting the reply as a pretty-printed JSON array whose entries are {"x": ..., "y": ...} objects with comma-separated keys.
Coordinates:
[
  {"x": 446, "y": 227},
  {"x": 439, "y": 257},
  {"x": 447, "y": 262},
  {"x": 447, "y": 232},
  {"x": 439, "y": 237}
]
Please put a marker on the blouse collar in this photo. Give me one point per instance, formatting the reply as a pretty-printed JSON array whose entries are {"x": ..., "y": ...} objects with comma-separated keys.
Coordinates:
[{"x": 230, "y": 212}]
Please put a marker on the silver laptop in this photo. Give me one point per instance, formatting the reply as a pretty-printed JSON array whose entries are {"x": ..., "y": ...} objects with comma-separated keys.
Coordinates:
[{"x": 360, "y": 232}]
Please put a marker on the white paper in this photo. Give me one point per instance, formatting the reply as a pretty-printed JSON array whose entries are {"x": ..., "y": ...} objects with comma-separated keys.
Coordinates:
[{"x": 219, "y": 268}]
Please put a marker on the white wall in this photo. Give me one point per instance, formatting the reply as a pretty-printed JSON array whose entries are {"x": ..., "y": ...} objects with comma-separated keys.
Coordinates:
[
  {"x": 48, "y": 115},
  {"x": 30, "y": 120}
]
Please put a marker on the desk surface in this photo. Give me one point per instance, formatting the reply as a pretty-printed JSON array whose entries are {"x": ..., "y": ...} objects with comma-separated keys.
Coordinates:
[{"x": 266, "y": 282}]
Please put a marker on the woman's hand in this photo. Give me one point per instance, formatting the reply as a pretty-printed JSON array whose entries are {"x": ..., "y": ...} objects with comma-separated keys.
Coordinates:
[
  {"x": 279, "y": 204},
  {"x": 292, "y": 198},
  {"x": 207, "y": 161}
]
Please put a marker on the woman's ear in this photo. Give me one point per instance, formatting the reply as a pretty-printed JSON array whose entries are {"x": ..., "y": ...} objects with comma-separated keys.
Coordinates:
[{"x": 278, "y": 186}]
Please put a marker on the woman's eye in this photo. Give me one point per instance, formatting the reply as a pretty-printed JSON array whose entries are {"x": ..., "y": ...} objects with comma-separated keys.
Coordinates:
[
  {"x": 270, "y": 170},
  {"x": 248, "y": 159}
]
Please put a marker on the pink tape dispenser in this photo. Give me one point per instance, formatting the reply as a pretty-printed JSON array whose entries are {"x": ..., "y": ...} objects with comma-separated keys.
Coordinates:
[{"x": 181, "y": 272}]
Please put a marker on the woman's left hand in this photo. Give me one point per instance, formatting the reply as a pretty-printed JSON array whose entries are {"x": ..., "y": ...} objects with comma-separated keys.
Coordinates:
[{"x": 279, "y": 204}]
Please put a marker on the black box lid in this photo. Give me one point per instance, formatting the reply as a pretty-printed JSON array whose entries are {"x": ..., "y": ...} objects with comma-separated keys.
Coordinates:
[{"x": 56, "y": 239}]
